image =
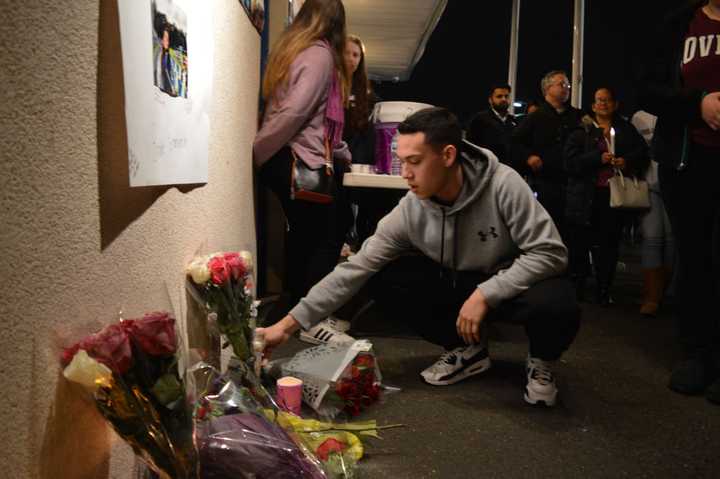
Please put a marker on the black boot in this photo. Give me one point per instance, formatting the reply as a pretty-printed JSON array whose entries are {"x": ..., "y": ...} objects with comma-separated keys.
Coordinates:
[
  {"x": 579, "y": 282},
  {"x": 693, "y": 374},
  {"x": 602, "y": 296}
]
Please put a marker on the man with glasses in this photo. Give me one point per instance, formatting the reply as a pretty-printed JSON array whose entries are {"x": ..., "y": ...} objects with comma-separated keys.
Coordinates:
[{"x": 537, "y": 144}]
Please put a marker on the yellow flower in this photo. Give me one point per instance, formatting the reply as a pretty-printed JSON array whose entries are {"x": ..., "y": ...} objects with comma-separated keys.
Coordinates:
[{"x": 87, "y": 372}]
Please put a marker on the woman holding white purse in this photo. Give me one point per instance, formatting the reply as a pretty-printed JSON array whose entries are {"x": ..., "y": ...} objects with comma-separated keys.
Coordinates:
[{"x": 603, "y": 144}]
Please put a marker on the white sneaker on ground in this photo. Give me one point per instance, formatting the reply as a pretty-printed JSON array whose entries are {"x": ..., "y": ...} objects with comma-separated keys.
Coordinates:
[
  {"x": 323, "y": 333},
  {"x": 339, "y": 324},
  {"x": 458, "y": 364},
  {"x": 541, "y": 386}
]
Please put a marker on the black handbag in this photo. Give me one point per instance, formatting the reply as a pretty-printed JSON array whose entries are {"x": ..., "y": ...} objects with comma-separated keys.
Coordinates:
[{"x": 313, "y": 185}]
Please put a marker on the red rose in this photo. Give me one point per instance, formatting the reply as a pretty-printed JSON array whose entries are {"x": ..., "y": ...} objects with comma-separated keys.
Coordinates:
[
  {"x": 365, "y": 361},
  {"x": 352, "y": 409},
  {"x": 353, "y": 390},
  {"x": 111, "y": 346},
  {"x": 154, "y": 333},
  {"x": 343, "y": 388},
  {"x": 201, "y": 412},
  {"x": 374, "y": 392},
  {"x": 329, "y": 446},
  {"x": 235, "y": 264},
  {"x": 218, "y": 270}
]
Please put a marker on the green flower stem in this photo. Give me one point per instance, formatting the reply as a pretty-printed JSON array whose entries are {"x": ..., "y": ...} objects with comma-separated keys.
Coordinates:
[{"x": 353, "y": 429}]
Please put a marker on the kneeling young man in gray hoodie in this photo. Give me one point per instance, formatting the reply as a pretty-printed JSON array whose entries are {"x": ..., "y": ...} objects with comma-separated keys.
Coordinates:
[{"x": 469, "y": 243}]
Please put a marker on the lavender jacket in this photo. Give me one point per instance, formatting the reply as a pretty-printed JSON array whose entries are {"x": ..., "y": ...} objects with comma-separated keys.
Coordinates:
[{"x": 295, "y": 115}]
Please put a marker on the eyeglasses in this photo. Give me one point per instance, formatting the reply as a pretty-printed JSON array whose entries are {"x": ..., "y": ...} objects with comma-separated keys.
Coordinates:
[{"x": 563, "y": 84}]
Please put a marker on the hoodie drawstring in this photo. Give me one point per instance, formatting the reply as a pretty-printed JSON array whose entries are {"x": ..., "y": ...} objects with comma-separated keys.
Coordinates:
[
  {"x": 453, "y": 261},
  {"x": 442, "y": 244},
  {"x": 454, "y": 252}
]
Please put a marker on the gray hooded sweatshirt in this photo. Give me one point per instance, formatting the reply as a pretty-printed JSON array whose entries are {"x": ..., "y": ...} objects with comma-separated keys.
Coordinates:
[{"x": 495, "y": 227}]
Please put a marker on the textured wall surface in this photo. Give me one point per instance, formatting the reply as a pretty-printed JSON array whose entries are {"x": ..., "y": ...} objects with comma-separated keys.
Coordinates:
[{"x": 77, "y": 243}]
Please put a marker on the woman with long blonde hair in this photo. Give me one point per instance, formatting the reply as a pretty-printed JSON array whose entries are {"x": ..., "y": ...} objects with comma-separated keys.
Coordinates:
[{"x": 306, "y": 89}]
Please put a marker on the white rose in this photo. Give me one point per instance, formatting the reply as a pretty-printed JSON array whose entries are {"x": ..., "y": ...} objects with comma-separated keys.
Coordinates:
[
  {"x": 87, "y": 372},
  {"x": 198, "y": 270},
  {"x": 247, "y": 260}
]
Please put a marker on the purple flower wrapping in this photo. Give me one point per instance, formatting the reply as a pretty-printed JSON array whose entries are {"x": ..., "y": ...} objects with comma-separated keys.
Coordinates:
[{"x": 248, "y": 445}]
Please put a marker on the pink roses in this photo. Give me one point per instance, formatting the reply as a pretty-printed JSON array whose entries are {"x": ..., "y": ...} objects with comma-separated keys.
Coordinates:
[
  {"x": 225, "y": 266},
  {"x": 154, "y": 334}
]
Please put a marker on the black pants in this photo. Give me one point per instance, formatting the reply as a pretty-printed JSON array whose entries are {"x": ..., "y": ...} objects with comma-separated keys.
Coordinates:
[
  {"x": 692, "y": 198},
  {"x": 415, "y": 289},
  {"x": 551, "y": 193},
  {"x": 315, "y": 232},
  {"x": 601, "y": 237}
]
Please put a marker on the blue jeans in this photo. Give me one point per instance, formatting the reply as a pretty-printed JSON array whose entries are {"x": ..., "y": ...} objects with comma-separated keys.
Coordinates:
[{"x": 658, "y": 245}]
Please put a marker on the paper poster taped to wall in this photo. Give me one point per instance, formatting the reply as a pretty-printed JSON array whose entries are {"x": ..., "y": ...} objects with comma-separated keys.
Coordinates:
[{"x": 167, "y": 50}]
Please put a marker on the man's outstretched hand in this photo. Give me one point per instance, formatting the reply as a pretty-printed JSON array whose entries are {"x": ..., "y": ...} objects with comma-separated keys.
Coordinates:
[{"x": 278, "y": 334}]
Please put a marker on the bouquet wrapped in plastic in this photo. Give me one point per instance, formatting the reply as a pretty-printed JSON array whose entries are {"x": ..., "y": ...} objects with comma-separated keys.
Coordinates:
[
  {"x": 337, "y": 378},
  {"x": 222, "y": 284},
  {"x": 241, "y": 433},
  {"x": 131, "y": 371},
  {"x": 237, "y": 434}
]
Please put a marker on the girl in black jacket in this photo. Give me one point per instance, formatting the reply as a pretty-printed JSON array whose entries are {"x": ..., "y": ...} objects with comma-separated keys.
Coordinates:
[{"x": 589, "y": 160}]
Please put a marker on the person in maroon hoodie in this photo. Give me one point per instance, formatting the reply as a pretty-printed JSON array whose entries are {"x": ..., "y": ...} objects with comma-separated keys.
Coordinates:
[
  {"x": 681, "y": 86},
  {"x": 305, "y": 87}
]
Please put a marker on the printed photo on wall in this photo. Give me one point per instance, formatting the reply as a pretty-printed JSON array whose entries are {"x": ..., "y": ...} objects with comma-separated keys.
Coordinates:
[
  {"x": 170, "y": 53},
  {"x": 256, "y": 11}
]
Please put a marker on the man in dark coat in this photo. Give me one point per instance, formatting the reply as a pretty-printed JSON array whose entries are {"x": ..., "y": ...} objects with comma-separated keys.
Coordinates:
[
  {"x": 537, "y": 145},
  {"x": 493, "y": 127}
]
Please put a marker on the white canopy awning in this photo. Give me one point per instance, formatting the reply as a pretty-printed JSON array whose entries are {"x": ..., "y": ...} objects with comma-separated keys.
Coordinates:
[{"x": 394, "y": 32}]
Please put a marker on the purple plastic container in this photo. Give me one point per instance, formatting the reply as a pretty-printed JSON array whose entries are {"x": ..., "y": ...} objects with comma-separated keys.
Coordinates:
[{"x": 384, "y": 133}]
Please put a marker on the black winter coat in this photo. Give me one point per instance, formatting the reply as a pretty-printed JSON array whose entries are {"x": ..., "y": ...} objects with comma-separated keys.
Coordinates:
[
  {"x": 583, "y": 161},
  {"x": 661, "y": 90},
  {"x": 544, "y": 133},
  {"x": 488, "y": 131}
]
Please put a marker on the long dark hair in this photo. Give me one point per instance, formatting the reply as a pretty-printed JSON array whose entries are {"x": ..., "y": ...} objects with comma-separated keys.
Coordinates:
[{"x": 359, "y": 108}]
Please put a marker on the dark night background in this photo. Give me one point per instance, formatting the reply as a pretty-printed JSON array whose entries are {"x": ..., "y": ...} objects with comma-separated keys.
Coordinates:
[{"x": 468, "y": 51}]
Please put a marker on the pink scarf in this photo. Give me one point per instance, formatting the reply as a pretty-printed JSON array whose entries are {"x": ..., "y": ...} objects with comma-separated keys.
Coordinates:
[{"x": 334, "y": 113}]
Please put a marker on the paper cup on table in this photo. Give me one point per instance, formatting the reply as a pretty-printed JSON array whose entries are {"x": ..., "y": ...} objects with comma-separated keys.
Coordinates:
[
  {"x": 360, "y": 168},
  {"x": 289, "y": 394}
]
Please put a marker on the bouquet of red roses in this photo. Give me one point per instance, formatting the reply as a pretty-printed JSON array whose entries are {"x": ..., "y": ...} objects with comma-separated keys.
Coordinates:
[
  {"x": 131, "y": 371},
  {"x": 222, "y": 284},
  {"x": 359, "y": 387},
  {"x": 337, "y": 377}
]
